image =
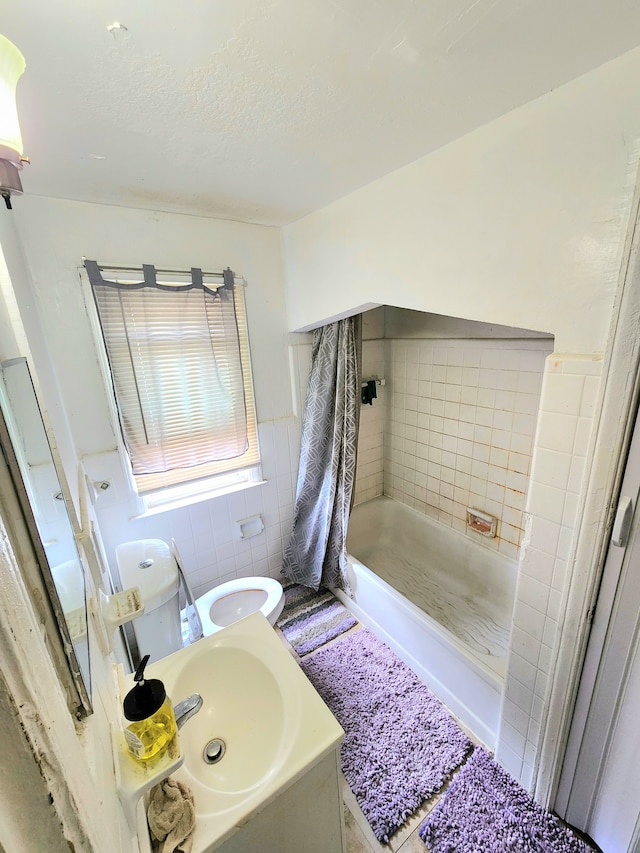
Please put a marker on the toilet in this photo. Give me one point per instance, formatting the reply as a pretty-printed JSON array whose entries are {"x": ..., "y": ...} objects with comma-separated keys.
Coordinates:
[
  {"x": 225, "y": 604},
  {"x": 155, "y": 569}
]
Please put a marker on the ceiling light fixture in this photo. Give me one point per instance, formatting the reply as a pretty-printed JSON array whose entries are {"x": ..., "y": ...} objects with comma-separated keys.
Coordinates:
[{"x": 12, "y": 65}]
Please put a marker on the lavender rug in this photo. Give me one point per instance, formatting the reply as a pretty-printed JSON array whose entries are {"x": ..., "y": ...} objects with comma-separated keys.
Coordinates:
[
  {"x": 310, "y": 619},
  {"x": 400, "y": 744},
  {"x": 486, "y": 811}
]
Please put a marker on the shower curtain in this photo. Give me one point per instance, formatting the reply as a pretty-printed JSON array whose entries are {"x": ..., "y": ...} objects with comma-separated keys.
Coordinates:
[{"x": 317, "y": 553}]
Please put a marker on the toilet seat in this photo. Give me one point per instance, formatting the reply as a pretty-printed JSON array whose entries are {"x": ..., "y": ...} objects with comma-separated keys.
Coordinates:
[{"x": 225, "y": 604}]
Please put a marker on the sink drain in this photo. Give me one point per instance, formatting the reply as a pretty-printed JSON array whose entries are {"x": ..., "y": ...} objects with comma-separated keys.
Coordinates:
[{"x": 214, "y": 751}]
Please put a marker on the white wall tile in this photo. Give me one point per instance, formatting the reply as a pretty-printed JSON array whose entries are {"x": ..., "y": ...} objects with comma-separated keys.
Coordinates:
[
  {"x": 523, "y": 671},
  {"x": 524, "y": 424},
  {"x": 552, "y": 468},
  {"x": 544, "y": 658},
  {"x": 534, "y": 592},
  {"x": 589, "y": 396},
  {"x": 544, "y": 535},
  {"x": 547, "y": 502},
  {"x": 569, "y": 393},
  {"x": 559, "y": 574},
  {"x": 526, "y": 774},
  {"x": 530, "y": 621},
  {"x": 509, "y": 550},
  {"x": 565, "y": 542},
  {"x": 524, "y": 646},
  {"x": 514, "y": 499},
  {"x": 576, "y": 474},
  {"x": 562, "y": 393},
  {"x": 582, "y": 436},
  {"x": 512, "y": 760},
  {"x": 558, "y": 431},
  {"x": 539, "y": 565}
]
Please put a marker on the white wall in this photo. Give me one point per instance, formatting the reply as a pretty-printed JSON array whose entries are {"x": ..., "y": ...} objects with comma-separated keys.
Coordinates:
[
  {"x": 518, "y": 223},
  {"x": 56, "y": 234}
]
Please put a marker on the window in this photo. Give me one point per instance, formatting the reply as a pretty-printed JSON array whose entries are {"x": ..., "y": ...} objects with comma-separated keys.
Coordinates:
[{"x": 178, "y": 355}]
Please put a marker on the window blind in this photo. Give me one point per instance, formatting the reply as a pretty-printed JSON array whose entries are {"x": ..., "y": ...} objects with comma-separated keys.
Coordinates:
[{"x": 181, "y": 373}]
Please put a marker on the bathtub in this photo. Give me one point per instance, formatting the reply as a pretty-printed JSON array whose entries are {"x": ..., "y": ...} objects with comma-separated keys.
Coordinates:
[{"x": 440, "y": 600}]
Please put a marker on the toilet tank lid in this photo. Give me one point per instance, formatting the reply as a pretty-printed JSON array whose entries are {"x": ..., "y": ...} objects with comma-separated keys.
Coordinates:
[{"x": 149, "y": 565}]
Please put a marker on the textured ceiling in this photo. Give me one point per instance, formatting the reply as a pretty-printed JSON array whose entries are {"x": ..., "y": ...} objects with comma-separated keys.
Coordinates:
[{"x": 264, "y": 110}]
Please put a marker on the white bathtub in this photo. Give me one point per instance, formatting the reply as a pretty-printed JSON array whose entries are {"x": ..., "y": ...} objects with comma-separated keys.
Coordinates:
[{"x": 441, "y": 601}]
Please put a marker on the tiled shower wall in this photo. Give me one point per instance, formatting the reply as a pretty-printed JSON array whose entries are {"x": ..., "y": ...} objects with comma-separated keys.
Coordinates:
[
  {"x": 564, "y": 431},
  {"x": 370, "y": 468},
  {"x": 460, "y": 424},
  {"x": 452, "y": 427}
]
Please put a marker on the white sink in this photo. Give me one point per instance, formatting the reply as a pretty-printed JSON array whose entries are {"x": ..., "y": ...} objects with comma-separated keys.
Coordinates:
[{"x": 257, "y": 700}]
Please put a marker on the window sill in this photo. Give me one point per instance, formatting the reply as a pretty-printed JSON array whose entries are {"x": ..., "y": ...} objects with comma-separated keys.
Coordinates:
[{"x": 190, "y": 500}]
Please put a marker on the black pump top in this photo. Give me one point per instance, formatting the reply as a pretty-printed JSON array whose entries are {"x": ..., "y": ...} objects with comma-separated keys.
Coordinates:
[{"x": 146, "y": 697}]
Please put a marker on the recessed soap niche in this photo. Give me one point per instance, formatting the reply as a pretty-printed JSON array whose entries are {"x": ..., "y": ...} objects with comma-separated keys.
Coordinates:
[
  {"x": 481, "y": 522},
  {"x": 248, "y": 527}
]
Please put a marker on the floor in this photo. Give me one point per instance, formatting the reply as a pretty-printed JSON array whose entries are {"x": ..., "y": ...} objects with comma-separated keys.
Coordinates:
[{"x": 360, "y": 837}]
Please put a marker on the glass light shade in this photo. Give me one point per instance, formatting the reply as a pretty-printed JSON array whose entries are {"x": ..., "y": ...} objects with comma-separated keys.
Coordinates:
[{"x": 12, "y": 65}]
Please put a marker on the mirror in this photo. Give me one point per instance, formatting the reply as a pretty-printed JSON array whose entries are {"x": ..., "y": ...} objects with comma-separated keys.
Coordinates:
[{"x": 34, "y": 458}]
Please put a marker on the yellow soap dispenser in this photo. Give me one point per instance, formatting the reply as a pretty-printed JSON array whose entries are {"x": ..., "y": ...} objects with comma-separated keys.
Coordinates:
[{"x": 152, "y": 723}]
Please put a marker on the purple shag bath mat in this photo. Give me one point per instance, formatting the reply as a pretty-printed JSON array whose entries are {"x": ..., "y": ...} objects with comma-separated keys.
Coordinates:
[
  {"x": 400, "y": 744},
  {"x": 310, "y": 619},
  {"x": 486, "y": 811}
]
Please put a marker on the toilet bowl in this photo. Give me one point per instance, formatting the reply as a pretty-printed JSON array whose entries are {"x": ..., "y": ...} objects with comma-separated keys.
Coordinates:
[{"x": 225, "y": 604}]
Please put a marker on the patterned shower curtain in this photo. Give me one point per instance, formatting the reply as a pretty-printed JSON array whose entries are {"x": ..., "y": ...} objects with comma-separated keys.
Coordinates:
[{"x": 317, "y": 553}]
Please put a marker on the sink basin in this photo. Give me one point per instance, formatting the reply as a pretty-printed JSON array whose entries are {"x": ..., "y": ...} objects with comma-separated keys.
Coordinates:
[
  {"x": 243, "y": 705},
  {"x": 259, "y": 703}
]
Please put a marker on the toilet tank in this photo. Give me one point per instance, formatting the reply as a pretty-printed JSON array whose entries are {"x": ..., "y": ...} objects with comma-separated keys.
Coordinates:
[{"x": 149, "y": 565}]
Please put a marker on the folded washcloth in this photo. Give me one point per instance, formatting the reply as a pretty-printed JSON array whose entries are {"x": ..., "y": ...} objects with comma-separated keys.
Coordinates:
[{"x": 171, "y": 817}]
